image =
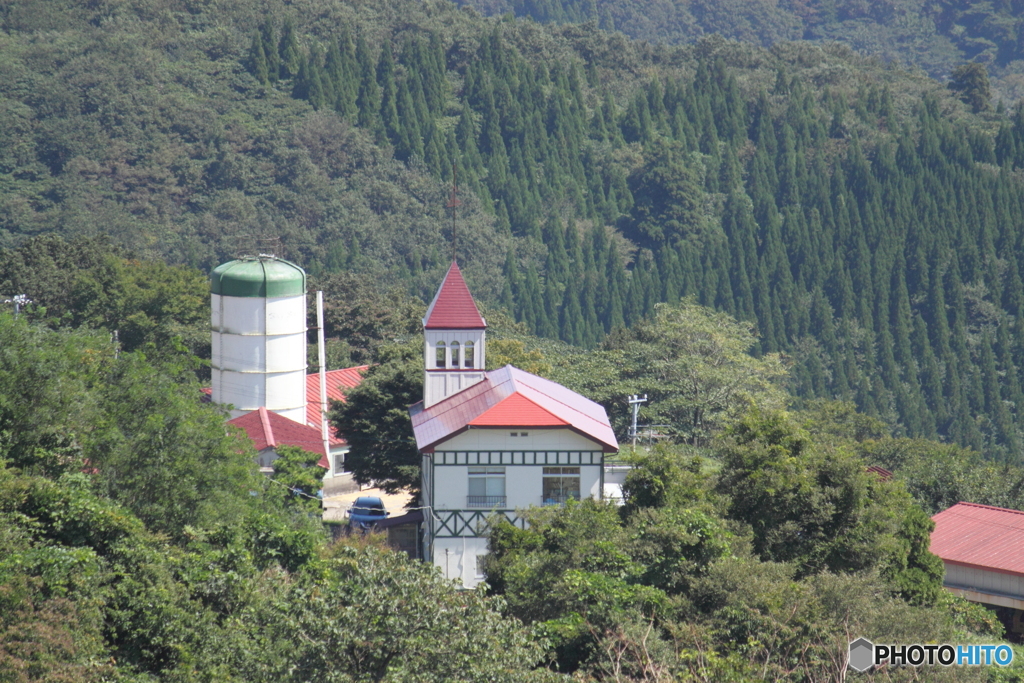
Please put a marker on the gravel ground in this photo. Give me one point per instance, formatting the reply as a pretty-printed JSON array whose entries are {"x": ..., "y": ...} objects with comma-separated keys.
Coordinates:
[{"x": 336, "y": 506}]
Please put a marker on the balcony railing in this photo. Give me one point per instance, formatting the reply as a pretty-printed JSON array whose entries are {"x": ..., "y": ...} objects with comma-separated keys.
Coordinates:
[
  {"x": 485, "y": 501},
  {"x": 559, "y": 500}
]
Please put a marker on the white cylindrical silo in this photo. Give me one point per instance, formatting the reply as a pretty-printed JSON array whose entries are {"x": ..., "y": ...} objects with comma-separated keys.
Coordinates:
[{"x": 258, "y": 320}]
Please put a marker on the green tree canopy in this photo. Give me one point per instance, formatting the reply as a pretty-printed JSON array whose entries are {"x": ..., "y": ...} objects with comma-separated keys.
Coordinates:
[
  {"x": 667, "y": 197},
  {"x": 970, "y": 83},
  {"x": 821, "y": 509},
  {"x": 374, "y": 419},
  {"x": 91, "y": 282},
  {"x": 696, "y": 368},
  {"x": 156, "y": 446}
]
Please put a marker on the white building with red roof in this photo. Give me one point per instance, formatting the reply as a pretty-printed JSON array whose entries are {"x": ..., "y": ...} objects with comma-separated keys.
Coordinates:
[
  {"x": 268, "y": 431},
  {"x": 453, "y": 337},
  {"x": 982, "y": 548},
  {"x": 493, "y": 442}
]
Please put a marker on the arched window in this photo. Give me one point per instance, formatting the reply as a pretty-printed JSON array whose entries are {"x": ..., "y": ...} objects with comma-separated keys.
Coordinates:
[
  {"x": 441, "y": 355},
  {"x": 455, "y": 354},
  {"x": 468, "y": 359}
]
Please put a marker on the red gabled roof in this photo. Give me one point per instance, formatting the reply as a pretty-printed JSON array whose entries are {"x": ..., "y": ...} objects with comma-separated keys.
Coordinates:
[
  {"x": 267, "y": 429},
  {"x": 453, "y": 307},
  {"x": 337, "y": 382},
  {"x": 517, "y": 411},
  {"x": 980, "y": 536},
  {"x": 539, "y": 398}
]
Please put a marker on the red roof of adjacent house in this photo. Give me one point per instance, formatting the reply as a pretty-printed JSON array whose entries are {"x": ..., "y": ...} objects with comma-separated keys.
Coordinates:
[
  {"x": 337, "y": 382},
  {"x": 453, "y": 307},
  {"x": 267, "y": 429},
  {"x": 535, "y": 401},
  {"x": 980, "y": 536}
]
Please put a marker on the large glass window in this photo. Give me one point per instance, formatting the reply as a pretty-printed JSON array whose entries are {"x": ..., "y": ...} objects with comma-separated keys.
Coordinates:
[
  {"x": 442, "y": 355},
  {"x": 486, "y": 487},
  {"x": 467, "y": 355},
  {"x": 560, "y": 484}
]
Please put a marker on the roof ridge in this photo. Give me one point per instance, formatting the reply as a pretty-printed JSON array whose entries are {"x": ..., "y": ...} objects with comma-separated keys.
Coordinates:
[
  {"x": 987, "y": 507},
  {"x": 354, "y": 367},
  {"x": 556, "y": 400},
  {"x": 268, "y": 431},
  {"x": 514, "y": 395},
  {"x": 453, "y": 406}
]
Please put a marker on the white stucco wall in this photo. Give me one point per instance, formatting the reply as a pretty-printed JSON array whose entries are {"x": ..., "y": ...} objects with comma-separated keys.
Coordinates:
[
  {"x": 457, "y": 559},
  {"x": 523, "y": 459},
  {"x": 523, "y": 485}
]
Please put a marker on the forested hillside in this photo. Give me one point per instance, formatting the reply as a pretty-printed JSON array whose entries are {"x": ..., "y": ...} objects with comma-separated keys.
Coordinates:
[
  {"x": 934, "y": 35},
  {"x": 865, "y": 219}
]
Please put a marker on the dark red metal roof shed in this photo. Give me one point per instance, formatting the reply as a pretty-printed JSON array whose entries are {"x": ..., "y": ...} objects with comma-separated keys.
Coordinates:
[{"x": 980, "y": 536}]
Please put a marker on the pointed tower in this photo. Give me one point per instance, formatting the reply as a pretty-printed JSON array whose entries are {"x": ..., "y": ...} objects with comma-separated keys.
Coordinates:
[{"x": 454, "y": 335}]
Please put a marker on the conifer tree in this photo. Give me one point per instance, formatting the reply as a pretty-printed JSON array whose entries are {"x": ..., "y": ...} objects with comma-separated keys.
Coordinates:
[
  {"x": 257, "y": 59},
  {"x": 289, "y": 51}
]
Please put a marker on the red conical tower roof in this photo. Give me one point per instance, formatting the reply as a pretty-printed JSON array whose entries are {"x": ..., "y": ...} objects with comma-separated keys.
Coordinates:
[{"x": 453, "y": 307}]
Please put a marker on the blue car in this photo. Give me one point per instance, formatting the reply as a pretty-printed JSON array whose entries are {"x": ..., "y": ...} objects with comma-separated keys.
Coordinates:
[{"x": 365, "y": 512}]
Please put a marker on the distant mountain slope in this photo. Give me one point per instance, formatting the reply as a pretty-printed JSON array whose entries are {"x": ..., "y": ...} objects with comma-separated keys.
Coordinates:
[
  {"x": 934, "y": 35},
  {"x": 863, "y": 216}
]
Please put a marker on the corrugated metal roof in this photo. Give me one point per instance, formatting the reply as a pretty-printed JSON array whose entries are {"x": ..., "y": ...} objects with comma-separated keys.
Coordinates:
[
  {"x": 337, "y": 382},
  {"x": 457, "y": 412},
  {"x": 453, "y": 307},
  {"x": 880, "y": 471},
  {"x": 267, "y": 429},
  {"x": 980, "y": 536}
]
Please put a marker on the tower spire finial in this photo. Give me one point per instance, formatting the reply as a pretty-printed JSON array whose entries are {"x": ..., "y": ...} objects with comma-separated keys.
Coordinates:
[{"x": 453, "y": 204}]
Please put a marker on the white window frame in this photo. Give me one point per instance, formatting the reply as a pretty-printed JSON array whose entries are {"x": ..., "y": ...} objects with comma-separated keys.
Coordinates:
[
  {"x": 565, "y": 475},
  {"x": 489, "y": 475}
]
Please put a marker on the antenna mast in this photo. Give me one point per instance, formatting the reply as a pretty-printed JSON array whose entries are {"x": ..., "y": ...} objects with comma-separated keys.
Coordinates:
[{"x": 453, "y": 204}]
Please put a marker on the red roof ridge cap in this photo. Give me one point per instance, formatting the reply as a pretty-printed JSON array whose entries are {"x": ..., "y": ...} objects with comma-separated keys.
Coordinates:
[
  {"x": 986, "y": 507},
  {"x": 264, "y": 419}
]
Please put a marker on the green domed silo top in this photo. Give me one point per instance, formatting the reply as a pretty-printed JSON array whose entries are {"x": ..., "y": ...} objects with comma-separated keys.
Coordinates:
[{"x": 258, "y": 276}]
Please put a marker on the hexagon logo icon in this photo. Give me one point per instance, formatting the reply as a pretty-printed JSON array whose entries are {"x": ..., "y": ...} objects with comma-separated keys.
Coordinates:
[{"x": 862, "y": 654}]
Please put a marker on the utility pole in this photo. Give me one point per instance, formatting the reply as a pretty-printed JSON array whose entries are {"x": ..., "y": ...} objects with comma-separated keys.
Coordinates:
[
  {"x": 19, "y": 300},
  {"x": 634, "y": 403}
]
